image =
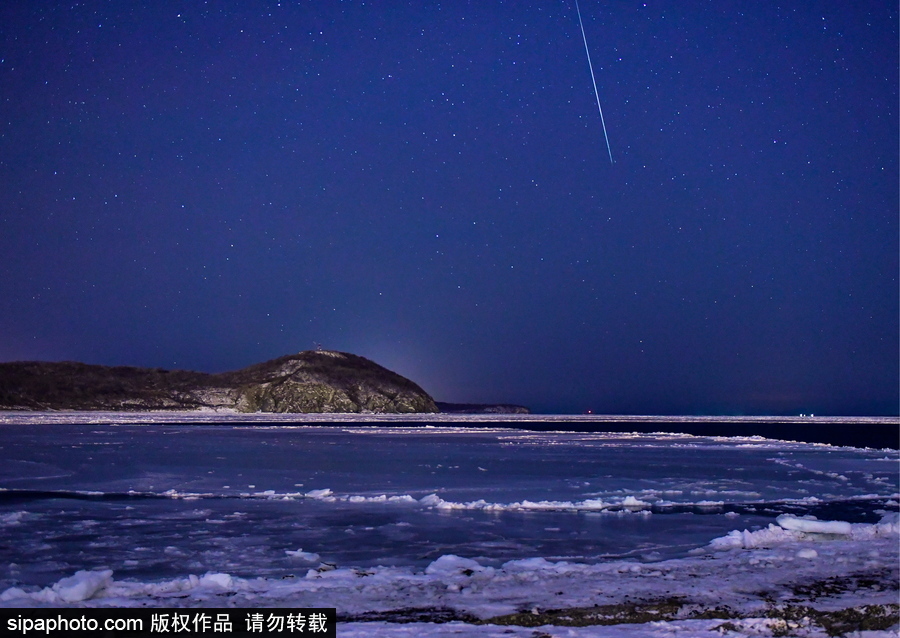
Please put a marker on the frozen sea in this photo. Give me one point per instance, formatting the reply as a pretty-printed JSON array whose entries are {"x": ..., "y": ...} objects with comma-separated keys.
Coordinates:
[{"x": 438, "y": 529}]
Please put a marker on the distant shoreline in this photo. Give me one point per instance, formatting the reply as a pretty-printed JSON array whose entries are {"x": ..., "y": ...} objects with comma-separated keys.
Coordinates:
[
  {"x": 230, "y": 414},
  {"x": 863, "y": 432}
]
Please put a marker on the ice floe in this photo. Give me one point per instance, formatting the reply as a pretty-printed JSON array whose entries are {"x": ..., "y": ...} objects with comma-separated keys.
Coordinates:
[{"x": 740, "y": 588}]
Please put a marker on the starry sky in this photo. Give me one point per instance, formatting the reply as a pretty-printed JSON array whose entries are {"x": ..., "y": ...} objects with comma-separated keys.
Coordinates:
[{"x": 206, "y": 185}]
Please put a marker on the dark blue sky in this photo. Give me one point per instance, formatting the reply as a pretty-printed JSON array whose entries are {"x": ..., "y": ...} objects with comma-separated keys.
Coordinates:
[{"x": 206, "y": 185}]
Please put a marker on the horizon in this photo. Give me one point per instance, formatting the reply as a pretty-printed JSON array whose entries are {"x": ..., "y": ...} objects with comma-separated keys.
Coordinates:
[
  {"x": 587, "y": 415},
  {"x": 429, "y": 187}
]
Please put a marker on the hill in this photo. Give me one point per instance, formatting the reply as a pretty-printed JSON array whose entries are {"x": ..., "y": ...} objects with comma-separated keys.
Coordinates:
[{"x": 311, "y": 381}]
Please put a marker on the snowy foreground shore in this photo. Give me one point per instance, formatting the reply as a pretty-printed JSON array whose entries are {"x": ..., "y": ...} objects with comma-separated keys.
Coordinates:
[
  {"x": 798, "y": 577},
  {"x": 442, "y": 531}
]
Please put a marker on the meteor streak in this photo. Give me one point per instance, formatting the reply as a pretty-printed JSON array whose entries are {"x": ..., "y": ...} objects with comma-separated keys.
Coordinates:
[{"x": 594, "y": 80}]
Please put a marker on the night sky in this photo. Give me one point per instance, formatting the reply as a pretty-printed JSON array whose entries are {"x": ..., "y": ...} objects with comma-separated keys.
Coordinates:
[{"x": 206, "y": 185}]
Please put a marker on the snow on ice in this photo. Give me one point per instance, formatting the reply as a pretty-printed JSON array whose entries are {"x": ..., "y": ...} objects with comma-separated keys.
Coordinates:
[
  {"x": 453, "y": 532},
  {"x": 745, "y": 582}
]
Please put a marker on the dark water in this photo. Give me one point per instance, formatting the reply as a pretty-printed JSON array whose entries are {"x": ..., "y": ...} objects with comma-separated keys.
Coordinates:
[
  {"x": 853, "y": 435},
  {"x": 842, "y": 434}
]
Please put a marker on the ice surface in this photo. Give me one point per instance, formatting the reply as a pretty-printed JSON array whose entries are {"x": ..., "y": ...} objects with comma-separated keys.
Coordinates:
[
  {"x": 452, "y": 565},
  {"x": 82, "y": 585},
  {"x": 791, "y": 529},
  {"x": 458, "y": 523},
  {"x": 299, "y": 554},
  {"x": 810, "y": 525},
  {"x": 826, "y": 574}
]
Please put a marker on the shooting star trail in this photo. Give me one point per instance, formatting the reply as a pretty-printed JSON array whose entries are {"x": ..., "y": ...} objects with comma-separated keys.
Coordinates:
[{"x": 594, "y": 80}]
